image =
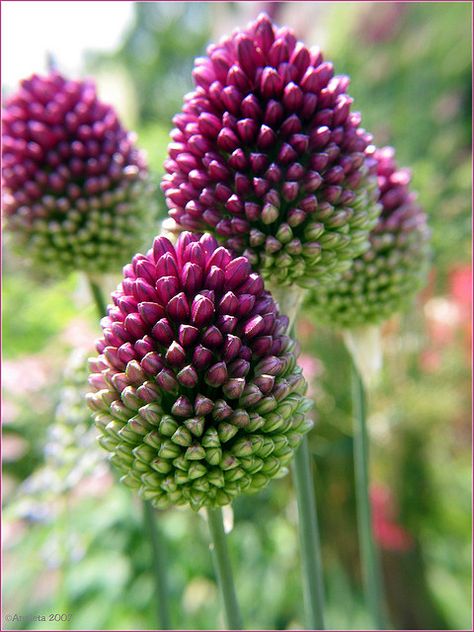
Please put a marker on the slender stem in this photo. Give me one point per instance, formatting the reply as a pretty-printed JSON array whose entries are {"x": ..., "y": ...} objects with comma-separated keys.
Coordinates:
[
  {"x": 311, "y": 559},
  {"x": 370, "y": 563},
  {"x": 309, "y": 538},
  {"x": 159, "y": 566},
  {"x": 98, "y": 297},
  {"x": 223, "y": 569}
]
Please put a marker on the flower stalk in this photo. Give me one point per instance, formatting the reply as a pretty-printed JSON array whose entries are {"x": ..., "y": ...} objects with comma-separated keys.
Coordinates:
[
  {"x": 370, "y": 563},
  {"x": 159, "y": 566},
  {"x": 223, "y": 569},
  {"x": 290, "y": 301},
  {"x": 98, "y": 296},
  {"x": 309, "y": 538}
]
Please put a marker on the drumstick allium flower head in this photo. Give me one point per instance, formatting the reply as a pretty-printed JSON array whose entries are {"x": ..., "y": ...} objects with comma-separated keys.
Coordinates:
[
  {"x": 385, "y": 279},
  {"x": 196, "y": 390},
  {"x": 76, "y": 192},
  {"x": 267, "y": 155}
]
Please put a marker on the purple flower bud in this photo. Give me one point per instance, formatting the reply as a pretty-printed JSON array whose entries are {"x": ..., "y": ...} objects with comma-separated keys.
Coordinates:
[
  {"x": 192, "y": 370},
  {"x": 273, "y": 101},
  {"x": 135, "y": 326},
  {"x": 76, "y": 193},
  {"x": 265, "y": 383},
  {"x": 175, "y": 356},
  {"x": 239, "y": 367},
  {"x": 216, "y": 375},
  {"x": 399, "y": 244},
  {"x": 253, "y": 327},
  {"x": 188, "y": 376},
  {"x": 178, "y": 307},
  {"x": 163, "y": 332},
  {"x": 221, "y": 410},
  {"x": 237, "y": 272},
  {"x": 231, "y": 347},
  {"x": 166, "y": 288},
  {"x": 203, "y": 405},
  {"x": 209, "y": 125},
  {"x": 229, "y": 303},
  {"x": 166, "y": 380},
  {"x": 202, "y": 357},
  {"x": 148, "y": 392},
  {"x": 227, "y": 323},
  {"x": 202, "y": 310},
  {"x": 150, "y": 312},
  {"x": 144, "y": 345},
  {"x": 188, "y": 335},
  {"x": 215, "y": 278},
  {"x": 212, "y": 337}
]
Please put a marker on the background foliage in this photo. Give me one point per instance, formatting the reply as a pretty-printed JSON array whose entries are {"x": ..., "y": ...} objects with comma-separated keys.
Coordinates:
[{"x": 72, "y": 537}]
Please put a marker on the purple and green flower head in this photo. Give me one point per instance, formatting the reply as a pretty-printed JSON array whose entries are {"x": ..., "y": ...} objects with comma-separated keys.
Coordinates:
[
  {"x": 385, "y": 279},
  {"x": 196, "y": 389},
  {"x": 268, "y": 156},
  {"x": 76, "y": 193}
]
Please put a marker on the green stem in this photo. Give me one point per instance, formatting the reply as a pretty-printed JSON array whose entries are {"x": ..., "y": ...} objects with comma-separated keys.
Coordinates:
[
  {"x": 311, "y": 559},
  {"x": 370, "y": 563},
  {"x": 309, "y": 538},
  {"x": 159, "y": 566},
  {"x": 98, "y": 297},
  {"x": 223, "y": 569}
]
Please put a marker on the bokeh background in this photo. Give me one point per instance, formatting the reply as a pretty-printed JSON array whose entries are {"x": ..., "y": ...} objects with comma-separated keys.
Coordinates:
[{"x": 72, "y": 538}]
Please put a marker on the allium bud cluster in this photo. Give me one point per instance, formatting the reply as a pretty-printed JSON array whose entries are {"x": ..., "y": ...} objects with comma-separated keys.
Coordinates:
[
  {"x": 385, "y": 279},
  {"x": 75, "y": 189},
  {"x": 196, "y": 390},
  {"x": 267, "y": 155}
]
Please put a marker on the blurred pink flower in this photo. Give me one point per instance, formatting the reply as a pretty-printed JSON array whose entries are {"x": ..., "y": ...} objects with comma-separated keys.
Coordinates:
[
  {"x": 390, "y": 535},
  {"x": 461, "y": 292},
  {"x": 13, "y": 447},
  {"x": 312, "y": 369},
  {"x": 382, "y": 25},
  {"x": 443, "y": 317},
  {"x": 460, "y": 284},
  {"x": 430, "y": 360},
  {"x": 9, "y": 411},
  {"x": 79, "y": 331},
  {"x": 27, "y": 374},
  {"x": 94, "y": 486}
]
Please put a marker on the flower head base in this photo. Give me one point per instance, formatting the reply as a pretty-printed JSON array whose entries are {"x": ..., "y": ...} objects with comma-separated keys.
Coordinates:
[
  {"x": 196, "y": 389},
  {"x": 75, "y": 189},
  {"x": 384, "y": 279},
  {"x": 267, "y": 155}
]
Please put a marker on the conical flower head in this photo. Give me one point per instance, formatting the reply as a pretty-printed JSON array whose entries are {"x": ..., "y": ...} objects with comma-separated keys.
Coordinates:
[
  {"x": 75, "y": 189},
  {"x": 267, "y": 155},
  {"x": 197, "y": 393},
  {"x": 385, "y": 279}
]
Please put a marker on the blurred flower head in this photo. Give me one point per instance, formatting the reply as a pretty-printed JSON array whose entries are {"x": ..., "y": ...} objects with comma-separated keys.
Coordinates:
[
  {"x": 76, "y": 193},
  {"x": 196, "y": 391},
  {"x": 71, "y": 454},
  {"x": 268, "y": 156},
  {"x": 384, "y": 279},
  {"x": 390, "y": 535}
]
